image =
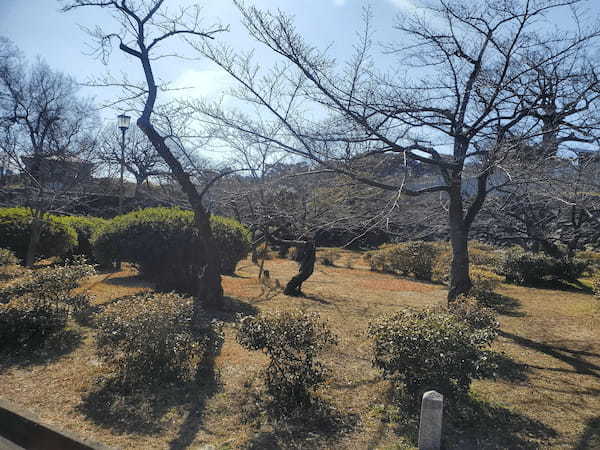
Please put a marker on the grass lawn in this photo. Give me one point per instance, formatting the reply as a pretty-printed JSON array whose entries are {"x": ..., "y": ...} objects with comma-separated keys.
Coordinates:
[{"x": 546, "y": 394}]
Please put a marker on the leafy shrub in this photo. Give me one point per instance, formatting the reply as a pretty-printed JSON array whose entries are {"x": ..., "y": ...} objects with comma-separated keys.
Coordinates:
[
  {"x": 591, "y": 258},
  {"x": 329, "y": 257},
  {"x": 26, "y": 323},
  {"x": 38, "y": 304},
  {"x": 416, "y": 257},
  {"x": 160, "y": 242},
  {"x": 484, "y": 283},
  {"x": 7, "y": 257},
  {"x": 85, "y": 227},
  {"x": 596, "y": 284},
  {"x": 292, "y": 340},
  {"x": 523, "y": 267},
  {"x": 56, "y": 239},
  {"x": 431, "y": 349},
  {"x": 149, "y": 338},
  {"x": 470, "y": 311},
  {"x": 50, "y": 285}
]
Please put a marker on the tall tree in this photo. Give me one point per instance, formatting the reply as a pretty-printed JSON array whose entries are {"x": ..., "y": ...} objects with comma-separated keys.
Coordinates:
[
  {"x": 145, "y": 26},
  {"x": 47, "y": 129},
  {"x": 462, "y": 80}
]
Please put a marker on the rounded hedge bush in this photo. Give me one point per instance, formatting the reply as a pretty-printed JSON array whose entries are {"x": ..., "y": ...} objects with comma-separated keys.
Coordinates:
[
  {"x": 57, "y": 238},
  {"x": 86, "y": 227},
  {"x": 160, "y": 242}
]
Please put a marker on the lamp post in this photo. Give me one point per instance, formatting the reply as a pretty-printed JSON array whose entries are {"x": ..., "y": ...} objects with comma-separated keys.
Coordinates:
[{"x": 123, "y": 120}]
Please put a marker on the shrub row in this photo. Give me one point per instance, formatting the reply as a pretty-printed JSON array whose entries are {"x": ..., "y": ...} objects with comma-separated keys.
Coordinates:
[
  {"x": 521, "y": 267},
  {"x": 160, "y": 241}
]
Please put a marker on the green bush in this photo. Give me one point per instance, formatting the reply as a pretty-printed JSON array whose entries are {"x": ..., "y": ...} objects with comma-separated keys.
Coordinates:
[
  {"x": 527, "y": 268},
  {"x": 596, "y": 284},
  {"x": 25, "y": 323},
  {"x": 329, "y": 257},
  {"x": 38, "y": 304},
  {"x": 149, "y": 339},
  {"x": 86, "y": 227},
  {"x": 57, "y": 239},
  {"x": 7, "y": 257},
  {"x": 416, "y": 257},
  {"x": 51, "y": 285},
  {"x": 292, "y": 341},
  {"x": 160, "y": 242},
  {"x": 431, "y": 349}
]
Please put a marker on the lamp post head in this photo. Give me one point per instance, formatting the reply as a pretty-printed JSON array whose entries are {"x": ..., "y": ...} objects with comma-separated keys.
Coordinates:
[{"x": 123, "y": 121}]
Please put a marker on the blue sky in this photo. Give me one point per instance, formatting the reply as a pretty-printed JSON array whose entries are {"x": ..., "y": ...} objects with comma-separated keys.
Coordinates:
[{"x": 39, "y": 29}]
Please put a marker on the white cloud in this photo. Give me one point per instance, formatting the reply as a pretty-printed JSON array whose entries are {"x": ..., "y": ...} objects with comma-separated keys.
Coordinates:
[
  {"x": 409, "y": 5},
  {"x": 210, "y": 84}
]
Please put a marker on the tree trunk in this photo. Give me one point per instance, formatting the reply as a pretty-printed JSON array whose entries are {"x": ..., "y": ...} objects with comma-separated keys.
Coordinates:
[
  {"x": 209, "y": 290},
  {"x": 460, "y": 282},
  {"x": 305, "y": 270},
  {"x": 34, "y": 239}
]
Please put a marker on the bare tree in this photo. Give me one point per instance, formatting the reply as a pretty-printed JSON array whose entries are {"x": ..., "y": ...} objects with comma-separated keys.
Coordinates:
[
  {"x": 463, "y": 79},
  {"x": 140, "y": 159},
  {"x": 46, "y": 130},
  {"x": 145, "y": 25}
]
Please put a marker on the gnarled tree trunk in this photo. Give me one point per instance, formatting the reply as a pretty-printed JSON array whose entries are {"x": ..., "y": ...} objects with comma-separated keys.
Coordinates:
[{"x": 305, "y": 269}]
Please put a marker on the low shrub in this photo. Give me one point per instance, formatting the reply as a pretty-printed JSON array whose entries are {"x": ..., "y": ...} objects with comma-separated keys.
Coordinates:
[
  {"x": 591, "y": 258},
  {"x": 56, "y": 239},
  {"x": 7, "y": 258},
  {"x": 38, "y": 304},
  {"x": 26, "y": 323},
  {"x": 414, "y": 257},
  {"x": 596, "y": 284},
  {"x": 469, "y": 310},
  {"x": 329, "y": 257},
  {"x": 86, "y": 228},
  {"x": 292, "y": 341},
  {"x": 150, "y": 339},
  {"x": 527, "y": 268},
  {"x": 432, "y": 349},
  {"x": 484, "y": 283},
  {"x": 51, "y": 285},
  {"x": 160, "y": 242}
]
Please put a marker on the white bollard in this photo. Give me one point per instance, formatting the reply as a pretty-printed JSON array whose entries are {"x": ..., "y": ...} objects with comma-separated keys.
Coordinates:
[{"x": 430, "y": 426}]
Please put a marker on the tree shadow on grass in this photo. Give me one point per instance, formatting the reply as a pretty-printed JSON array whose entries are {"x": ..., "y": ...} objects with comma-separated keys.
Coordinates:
[
  {"x": 504, "y": 305},
  {"x": 567, "y": 355},
  {"x": 52, "y": 349},
  {"x": 591, "y": 435},
  {"x": 142, "y": 410},
  {"x": 232, "y": 309},
  {"x": 506, "y": 368},
  {"x": 473, "y": 424},
  {"x": 319, "y": 425}
]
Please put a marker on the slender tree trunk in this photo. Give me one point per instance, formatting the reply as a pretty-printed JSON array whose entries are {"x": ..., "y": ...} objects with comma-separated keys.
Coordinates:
[
  {"x": 305, "y": 270},
  {"x": 34, "y": 238},
  {"x": 460, "y": 282}
]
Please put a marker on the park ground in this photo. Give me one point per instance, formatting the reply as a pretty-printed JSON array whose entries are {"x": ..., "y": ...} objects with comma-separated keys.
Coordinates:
[{"x": 546, "y": 393}]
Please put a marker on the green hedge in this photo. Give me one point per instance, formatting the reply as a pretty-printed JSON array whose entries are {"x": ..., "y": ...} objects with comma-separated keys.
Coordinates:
[
  {"x": 57, "y": 238},
  {"x": 528, "y": 268},
  {"x": 160, "y": 242},
  {"x": 86, "y": 227}
]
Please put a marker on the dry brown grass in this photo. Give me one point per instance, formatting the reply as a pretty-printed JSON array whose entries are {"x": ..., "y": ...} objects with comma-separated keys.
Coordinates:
[{"x": 547, "y": 394}]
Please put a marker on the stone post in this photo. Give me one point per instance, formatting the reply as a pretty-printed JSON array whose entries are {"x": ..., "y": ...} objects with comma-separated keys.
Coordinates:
[{"x": 430, "y": 426}]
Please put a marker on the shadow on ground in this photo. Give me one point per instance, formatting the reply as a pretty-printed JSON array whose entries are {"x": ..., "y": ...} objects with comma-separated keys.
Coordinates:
[
  {"x": 474, "y": 424},
  {"x": 567, "y": 355},
  {"x": 51, "y": 350},
  {"x": 591, "y": 435},
  {"x": 506, "y": 368},
  {"x": 142, "y": 411},
  {"x": 318, "y": 426},
  {"x": 504, "y": 305}
]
